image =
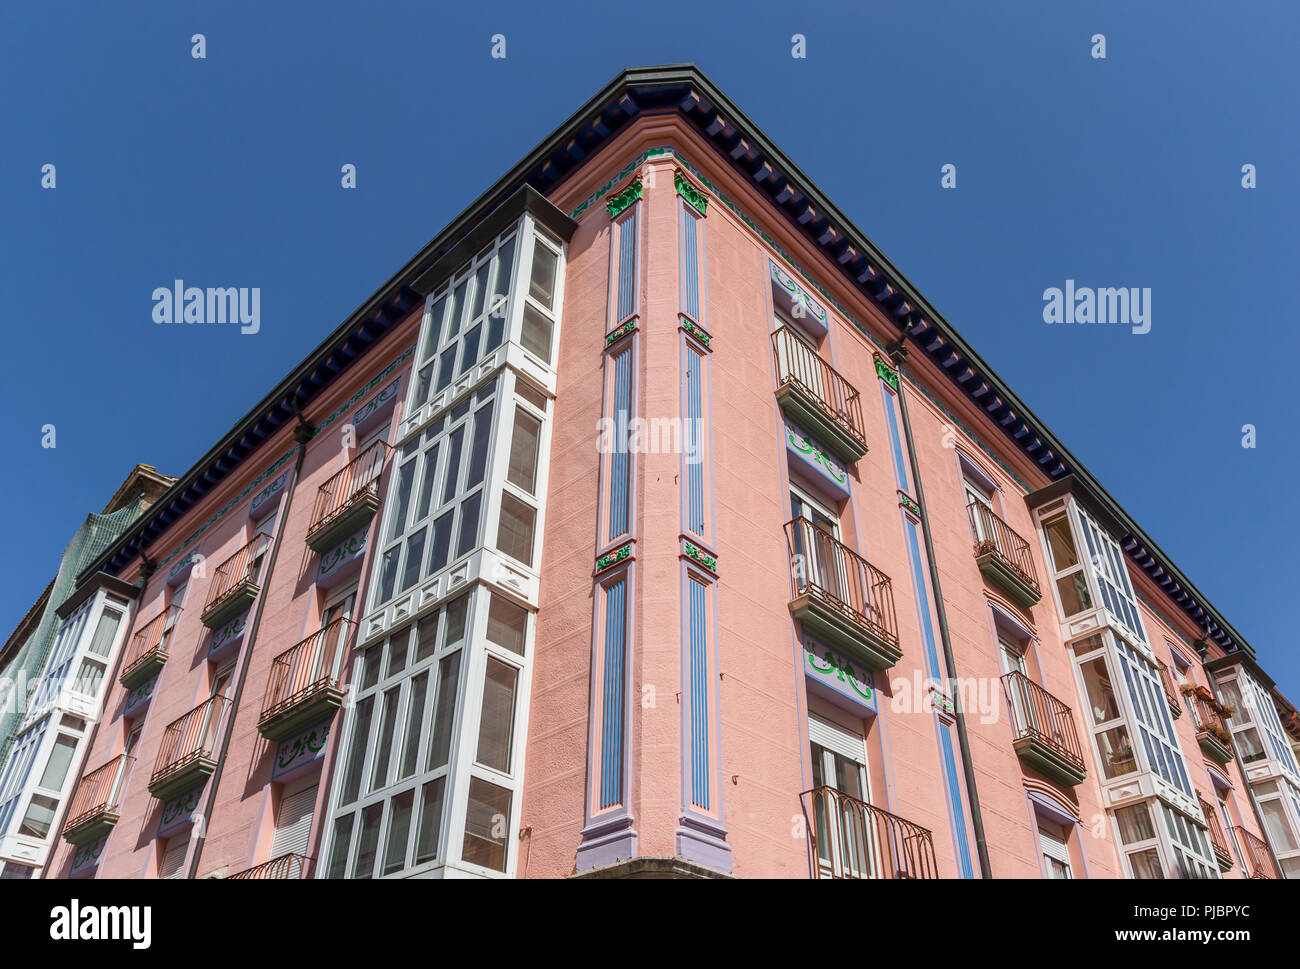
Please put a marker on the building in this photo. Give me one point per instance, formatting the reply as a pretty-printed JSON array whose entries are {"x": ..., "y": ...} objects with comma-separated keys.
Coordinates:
[
  {"x": 648, "y": 522},
  {"x": 53, "y": 669}
]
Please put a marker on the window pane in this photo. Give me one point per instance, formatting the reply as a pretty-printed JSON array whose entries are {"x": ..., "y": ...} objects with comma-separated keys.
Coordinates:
[
  {"x": 1146, "y": 864},
  {"x": 427, "y": 637},
  {"x": 480, "y": 290},
  {"x": 369, "y": 841},
  {"x": 535, "y": 335},
  {"x": 497, "y": 720},
  {"x": 397, "y": 649},
  {"x": 1061, "y": 543},
  {"x": 446, "y": 368},
  {"x": 384, "y": 748},
  {"x": 507, "y": 624},
  {"x": 1134, "y": 824},
  {"x": 515, "y": 529},
  {"x": 1279, "y": 829},
  {"x": 478, "y": 452},
  {"x": 441, "y": 541},
  {"x": 523, "y": 451},
  {"x": 339, "y": 846},
  {"x": 1101, "y": 696},
  {"x": 397, "y": 524},
  {"x": 105, "y": 632},
  {"x": 399, "y": 826},
  {"x": 357, "y": 750},
  {"x": 56, "y": 768},
  {"x": 435, "y": 326},
  {"x": 370, "y": 666},
  {"x": 457, "y": 310},
  {"x": 40, "y": 815},
  {"x": 444, "y": 711},
  {"x": 414, "y": 559},
  {"x": 426, "y": 838},
  {"x": 469, "y": 510},
  {"x": 388, "y": 574},
  {"x": 541, "y": 286},
  {"x": 1073, "y": 590},
  {"x": 89, "y": 677},
  {"x": 452, "y": 480},
  {"x": 414, "y": 721},
  {"x": 456, "y": 619},
  {"x": 469, "y": 349},
  {"x": 427, "y": 482},
  {"x": 505, "y": 260},
  {"x": 487, "y": 822}
]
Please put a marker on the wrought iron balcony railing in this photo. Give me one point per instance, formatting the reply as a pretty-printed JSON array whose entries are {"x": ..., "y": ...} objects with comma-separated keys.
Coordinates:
[
  {"x": 1043, "y": 730},
  {"x": 235, "y": 582},
  {"x": 347, "y": 500},
  {"x": 1259, "y": 860},
  {"x": 148, "y": 650},
  {"x": 840, "y": 596},
  {"x": 853, "y": 839},
  {"x": 285, "y": 866},
  {"x": 93, "y": 810},
  {"x": 306, "y": 682},
  {"x": 1217, "y": 840},
  {"x": 1212, "y": 731},
  {"x": 1003, "y": 556},
  {"x": 816, "y": 396},
  {"x": 188, "y": 751}
]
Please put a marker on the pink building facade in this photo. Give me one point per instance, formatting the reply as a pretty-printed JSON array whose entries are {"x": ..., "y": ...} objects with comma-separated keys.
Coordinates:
[{"x": 649, "y": 523}]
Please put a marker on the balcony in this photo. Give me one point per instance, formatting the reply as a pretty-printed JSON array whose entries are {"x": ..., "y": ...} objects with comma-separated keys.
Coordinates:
[
  {"x": 1171, "y": 691},
  {"x": 817, "y": 398},
  {"x": 286, "y": 866},
  {"x": 1217, "y": 841},
  {"x": 853, "y": 839},
  {"x": 148, "y": 652},
  {"x": 94, "y": 808},
  {"x": 348, "y": 500},
  {"x": 305, "y": 685},
  {"x": 188, "y": 753},
  {"x": 235, "y": 583},
  {"x": 1003, "y": 556},
  {"x": 841, "y": 598},
  {"x": 1212, "y": 732},
  {"x": 1259, "y": 860},
  {"x": 1043, "y": 730}
]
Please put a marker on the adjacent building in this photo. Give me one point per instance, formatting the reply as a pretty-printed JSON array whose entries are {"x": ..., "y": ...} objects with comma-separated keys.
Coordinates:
[
  {"x": 649, "y": 522},
  {"x": 54, "y": 676}
]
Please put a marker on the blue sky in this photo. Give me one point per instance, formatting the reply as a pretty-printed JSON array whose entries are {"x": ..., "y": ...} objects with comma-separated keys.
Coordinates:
[{"x": 225, "y": 172}]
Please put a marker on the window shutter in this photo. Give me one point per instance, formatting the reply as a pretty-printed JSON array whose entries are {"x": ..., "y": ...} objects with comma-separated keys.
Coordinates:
[
  {"x": 293, "y": 823},
  {"x": 837, "y": 739},
  {"x": 1054, "y": 847},
  {"x": 173, "y": 859}
]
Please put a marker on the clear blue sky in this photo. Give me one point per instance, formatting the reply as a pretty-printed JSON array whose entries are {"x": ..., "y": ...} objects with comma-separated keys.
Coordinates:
[{"x": 225, "y": 172}]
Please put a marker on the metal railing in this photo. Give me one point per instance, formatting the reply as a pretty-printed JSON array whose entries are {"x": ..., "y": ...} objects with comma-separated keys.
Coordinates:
[
  {"x": 1217, "y": 839},
  {"x": 314, "y": 664},
  {"x": 152, "y": 638},
  {"x": 98, "y": 791},
  {"x": 285, "y": 866},
  {"x": 1259, "y": 860},
  {"x": 853, "y": 839},
  {"x": 992, "y": 534},
  {"x": 1209, "y": 717},
  {"x": 798, "y": 364},
  {"x": 830, "y": 571},
  {"x": 360, "y": 476},
  {"x": 244, "y": 565},
  {"x": 1036, "y": 713},
  {"x": 189, "y": 738}
]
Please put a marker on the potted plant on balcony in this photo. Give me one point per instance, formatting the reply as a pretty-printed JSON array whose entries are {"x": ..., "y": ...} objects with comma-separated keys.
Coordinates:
[{"x": 1122, "y": 757}]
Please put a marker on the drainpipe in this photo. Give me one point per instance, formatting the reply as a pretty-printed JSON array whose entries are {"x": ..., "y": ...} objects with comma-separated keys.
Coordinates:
[
  {"x": 898, "y": 352},
  {"x": 302, "y": 433}
]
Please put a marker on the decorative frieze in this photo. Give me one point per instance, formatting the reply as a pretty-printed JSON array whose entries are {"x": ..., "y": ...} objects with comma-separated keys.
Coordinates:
[
  {"x": 886, "y": 373},
  {"x": 613, "y": 558},
  {"x": 300, "y": 750},
  {"x": 909, "y": 504},
  {"x": 704, "y": 559},
  {"x": 618, "y": 333},
  {"x": 697, "y": 331},
  {"x": 814, "y": 459}
]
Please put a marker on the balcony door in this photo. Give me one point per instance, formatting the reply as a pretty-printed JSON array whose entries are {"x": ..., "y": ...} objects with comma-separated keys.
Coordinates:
[
  {"x": 797, "y": 358},
  {"x": 329, "y": 656},
  {"x": 821, "y": 562},
  {"x": 1013, "y": 661},
  {"x": 846, "y": 839}
]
